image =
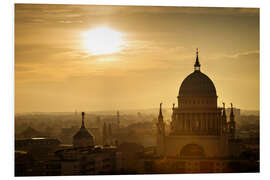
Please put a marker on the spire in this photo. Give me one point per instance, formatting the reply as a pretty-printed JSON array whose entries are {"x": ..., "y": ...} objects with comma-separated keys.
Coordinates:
[
  {"x": 224, "y": 110},
  {"x": 231, "y": 110},
  {"x": 160, "y": 111},
  {"x": 82, "y": 120},
  {"x": 197, "y": 64}
]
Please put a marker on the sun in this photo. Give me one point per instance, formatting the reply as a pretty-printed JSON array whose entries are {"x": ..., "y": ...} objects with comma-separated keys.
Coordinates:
[{"x": 103, "y": 40}]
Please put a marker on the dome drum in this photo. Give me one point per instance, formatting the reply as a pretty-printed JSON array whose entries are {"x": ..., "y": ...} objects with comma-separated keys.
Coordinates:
[{"x": 196, "y": 102}]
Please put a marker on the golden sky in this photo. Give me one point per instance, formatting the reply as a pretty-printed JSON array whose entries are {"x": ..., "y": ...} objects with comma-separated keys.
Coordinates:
[{"x": 54, "y": 71}]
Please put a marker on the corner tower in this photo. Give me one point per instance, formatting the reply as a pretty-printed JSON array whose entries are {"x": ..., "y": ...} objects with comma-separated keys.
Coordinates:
[
  {"x": 160, "y": 133},
  {"x": 231, "y": 125}
]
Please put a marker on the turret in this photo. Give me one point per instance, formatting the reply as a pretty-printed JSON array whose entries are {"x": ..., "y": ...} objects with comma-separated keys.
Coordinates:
[
  {"x": 224, "y": 119},
  {"x": 160, "y": 116},
  {"x": 231, "y": 124},
  {"x": 160, "y": 133}
]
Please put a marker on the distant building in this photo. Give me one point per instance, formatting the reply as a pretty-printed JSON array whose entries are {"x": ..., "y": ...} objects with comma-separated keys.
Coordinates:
[
  {"x": 89, "y": 160},
  {"x": 83, "y": 138},
  {"x": 199, "y": 129},
  {"x": 35, "y": 157},
  {"x": 86, "y": 158},
  {"x": 37, "y": 146},
  {"x": 30, "y": 132},
  {"x": 44, "y": 156}
]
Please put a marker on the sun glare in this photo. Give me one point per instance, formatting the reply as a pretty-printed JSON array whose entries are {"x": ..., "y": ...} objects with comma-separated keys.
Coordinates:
[{"x": 103, "y": 40}]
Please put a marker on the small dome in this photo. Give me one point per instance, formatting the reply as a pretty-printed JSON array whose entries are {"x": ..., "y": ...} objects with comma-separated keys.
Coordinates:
[
  {"x": 197, "y": 84},
  {"x": 83, "y": 133}
]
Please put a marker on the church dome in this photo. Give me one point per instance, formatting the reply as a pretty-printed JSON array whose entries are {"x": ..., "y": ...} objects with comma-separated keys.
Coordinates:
[
  {"x": 83, "y": 138},
  {"x": 83, "y": 133},
  {"x": 197, "y": 84}
]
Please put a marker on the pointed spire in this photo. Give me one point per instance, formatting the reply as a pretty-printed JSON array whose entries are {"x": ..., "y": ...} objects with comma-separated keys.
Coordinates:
[
  {"x": 197, "y": 64},
  {"x": 231, "y": 110},
  {"x": 160, "y": 111},
  {"x": 223, "y": 110},
  {"x": 82, "y": 120}
]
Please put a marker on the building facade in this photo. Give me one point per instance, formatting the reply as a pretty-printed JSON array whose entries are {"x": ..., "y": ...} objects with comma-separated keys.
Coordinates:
[{"x": 199, "y": 128}]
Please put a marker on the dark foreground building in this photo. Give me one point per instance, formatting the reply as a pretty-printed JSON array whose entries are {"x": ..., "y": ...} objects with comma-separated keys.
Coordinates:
[
  {"x": 43, "y": 156},
  {"x": 201, "y": 138}
]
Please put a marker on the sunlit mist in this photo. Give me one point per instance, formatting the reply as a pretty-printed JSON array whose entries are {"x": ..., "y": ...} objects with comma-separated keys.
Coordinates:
[{"x": 103, "y": 40}]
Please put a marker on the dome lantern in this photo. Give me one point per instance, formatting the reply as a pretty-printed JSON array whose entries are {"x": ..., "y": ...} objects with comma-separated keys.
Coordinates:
[{"x": 197, "y": 64}]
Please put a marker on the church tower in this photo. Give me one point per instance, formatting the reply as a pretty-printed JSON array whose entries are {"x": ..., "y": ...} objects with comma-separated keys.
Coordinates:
[
  {"x": 160, "y": 133},
  {"x": 231, "y": 124},
  {"x": 199, "y": 128},
  {"x": 83, "y": 138}
]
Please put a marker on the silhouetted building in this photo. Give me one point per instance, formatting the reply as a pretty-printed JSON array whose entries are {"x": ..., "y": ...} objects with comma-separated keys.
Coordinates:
[
  {"x": 89, "y": 160},
  {"x": 198, "y": 127},
  {"x": 35, "y": 157},
  {"x": 83, "y": 138},
  {"x": 30, "y": 132},
  {"x": 37, "y": 146}
]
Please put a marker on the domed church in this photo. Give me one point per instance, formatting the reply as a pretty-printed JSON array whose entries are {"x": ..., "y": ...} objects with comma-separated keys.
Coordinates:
[
  {"x": 199, "y": 129},
  {"x": 83, "y": 138}
]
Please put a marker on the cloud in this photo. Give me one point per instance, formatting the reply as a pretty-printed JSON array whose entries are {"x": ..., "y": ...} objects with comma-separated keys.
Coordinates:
[
  {"x": 78, "y": 14},
  {"x": 240, "y": 55}
]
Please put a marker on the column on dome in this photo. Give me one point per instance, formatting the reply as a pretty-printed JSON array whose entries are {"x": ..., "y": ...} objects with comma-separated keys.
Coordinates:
[
  {"x": 191, "y": 122},
  {"x": 183, "y": 121},
  {"x": 214, "y": 122},
  {"x": 196, "y": 121},
  {"x": 204, "y": 122},
  {"x": 187, "y": 123},
  {"x": 200, "y": 122},
  {"x": 180, "y": 119},
  {"x": 209, "y": 122}
]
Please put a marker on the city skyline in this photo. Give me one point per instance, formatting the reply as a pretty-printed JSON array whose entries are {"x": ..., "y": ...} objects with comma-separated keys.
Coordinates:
[{"x": 57, "y": 68}]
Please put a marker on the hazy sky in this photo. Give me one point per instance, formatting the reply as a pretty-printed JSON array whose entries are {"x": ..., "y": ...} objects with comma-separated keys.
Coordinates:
[{"x": 55, "y": 72}]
